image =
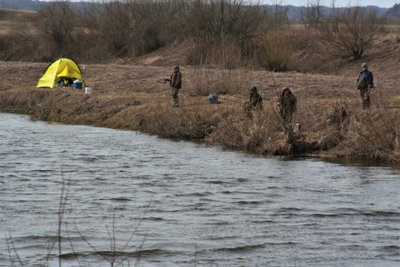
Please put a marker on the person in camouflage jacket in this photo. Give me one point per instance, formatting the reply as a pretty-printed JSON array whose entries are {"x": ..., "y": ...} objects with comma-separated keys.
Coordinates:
[
  {"x": 287, "y": 105},
  {"x": 365, "y": 82},
  {"x": 175, "y": 82}
]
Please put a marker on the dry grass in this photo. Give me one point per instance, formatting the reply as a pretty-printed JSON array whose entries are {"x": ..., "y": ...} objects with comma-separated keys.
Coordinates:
[
  {"x": 134, "y": 97},
  {"x": 209, "y": 80},
  {"x": 10, "y": 19}
]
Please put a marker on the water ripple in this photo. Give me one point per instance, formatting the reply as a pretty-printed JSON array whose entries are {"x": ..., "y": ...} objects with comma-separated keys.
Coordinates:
[{"x": 184, "y": 204}]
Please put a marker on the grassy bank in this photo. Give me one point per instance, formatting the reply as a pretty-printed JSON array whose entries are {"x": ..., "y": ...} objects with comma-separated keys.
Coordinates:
[{"x": 134, "y": 97}]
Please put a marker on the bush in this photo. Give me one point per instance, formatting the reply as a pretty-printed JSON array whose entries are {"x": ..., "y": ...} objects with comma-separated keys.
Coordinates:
[
  {"x": 222, "y": 30},
  {"x": 374, "y": 136},
  {"x": 57, "y": 26},
  {"x": 276, "y": 52},
  {"x": 349, "y": 32}
]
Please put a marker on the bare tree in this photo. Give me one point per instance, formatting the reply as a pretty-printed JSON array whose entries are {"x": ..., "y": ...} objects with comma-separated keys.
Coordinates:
[
  {"x": 279, "y": 12},
  {"x": 224, "y": 30},
  {"x": 132, "y": 27},
  {"x": 312, "y": 14},
  {"x": 214, "y": 20},
  {"x": 349, "y": 32},
  {"x": 57, "y": 22}
]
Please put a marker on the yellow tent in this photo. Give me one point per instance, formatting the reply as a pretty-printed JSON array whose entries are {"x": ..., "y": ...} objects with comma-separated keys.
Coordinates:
[{"x": 63, "y": 67}]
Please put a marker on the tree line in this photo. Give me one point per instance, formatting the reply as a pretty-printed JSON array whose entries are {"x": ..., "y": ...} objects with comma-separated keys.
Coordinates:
[{"x": 227, "y": 33}]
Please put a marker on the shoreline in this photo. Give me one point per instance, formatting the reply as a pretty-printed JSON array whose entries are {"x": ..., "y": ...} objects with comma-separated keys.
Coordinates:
[{"x": 332, "y": 125}]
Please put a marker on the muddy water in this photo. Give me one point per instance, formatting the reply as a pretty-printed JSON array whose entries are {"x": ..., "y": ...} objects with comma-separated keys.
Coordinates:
[{"x": 155, "y": 202}]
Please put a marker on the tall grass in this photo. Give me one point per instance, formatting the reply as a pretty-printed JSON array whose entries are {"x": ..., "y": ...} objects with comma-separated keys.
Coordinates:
[
  {"x": 276, "y": 51},
  {"x": 373, "y": 134}
]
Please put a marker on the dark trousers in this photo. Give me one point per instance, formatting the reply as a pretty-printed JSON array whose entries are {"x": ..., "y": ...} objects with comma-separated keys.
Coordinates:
[
  {"x": 175, "y": 98},
  {"x": 365, "y": 97}
]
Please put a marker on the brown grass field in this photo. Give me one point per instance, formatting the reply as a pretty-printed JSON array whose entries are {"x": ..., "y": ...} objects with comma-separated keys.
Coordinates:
[{"x": 131, "y": 94}]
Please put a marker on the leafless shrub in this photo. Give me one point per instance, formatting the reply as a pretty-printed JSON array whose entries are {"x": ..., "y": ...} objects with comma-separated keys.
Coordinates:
[
  {"x": 57, "y": 23},
  {"x": 117, "y": 255},
  {"x": 13, "y": 253},
  {"x": 252, "y": 134},
  {"x": 276, "y": 51},
  {"x": 19, "y": 45},
  {"x": 225, "y": 27},
  {"x": 279, "y": 15},
  {"x": 370, "y": 137},
  {"x": 312, "y": 15},
  {"x": 233, "y": 20},
  {"x": 195, "y": 122},
  {"x": 349, "y": 32},
  {"x": 374, "y": 133},
  {"x": 97, "y": 32},
  {"x": 131, "y": 28}
]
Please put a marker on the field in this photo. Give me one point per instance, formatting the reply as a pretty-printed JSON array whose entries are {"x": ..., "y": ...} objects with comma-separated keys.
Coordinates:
[{"x": 130, "y": 94}]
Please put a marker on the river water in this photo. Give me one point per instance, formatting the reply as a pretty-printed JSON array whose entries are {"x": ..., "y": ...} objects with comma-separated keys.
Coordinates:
[{"x": 156, "y": 202}]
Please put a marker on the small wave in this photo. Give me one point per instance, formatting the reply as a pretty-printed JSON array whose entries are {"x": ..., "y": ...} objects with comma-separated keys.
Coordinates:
[
  {"x": 121, "y": 199},
  {"x": 324, "y": 215},
  {"x": 355, "y": 212},
  {"x": 72, "y": 255},
  {"x": 290, "y": 209},
  {"x": 353, "y": 248},
  {"x": 215, "y": 182},
  {"x": 156, "y": 219},
  {"x": 390, "y": 248},
  {"x": 42, "y": 171},
  {"x": 195, "y": 194},
  {"x": 248, "y": 202},
  {"x": 149, "y": 252},
  {"x": 263, "y": 221},
  {"x": 241, "y": 248},
  {"x": 217, "y": 222},
  {"x": 103, "y": 253},
  {"x": 41, "y": 238},
  {"x": 381, "y": 214}
]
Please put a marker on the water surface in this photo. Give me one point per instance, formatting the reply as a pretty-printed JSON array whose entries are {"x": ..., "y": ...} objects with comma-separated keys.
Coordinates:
[{"x": 163, "y": 203}]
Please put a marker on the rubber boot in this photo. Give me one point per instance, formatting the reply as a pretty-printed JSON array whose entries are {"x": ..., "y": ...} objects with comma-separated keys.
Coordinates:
[
  {"x": 176, "y": 102},
  {"x": 365, "y": 104}
]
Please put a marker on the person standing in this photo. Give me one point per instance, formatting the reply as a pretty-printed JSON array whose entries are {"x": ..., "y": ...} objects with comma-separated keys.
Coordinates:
[
  {"x": 175, "y": 82},
  {"x": 287, "y": 105},
  {"x": 365, "y": 82}
]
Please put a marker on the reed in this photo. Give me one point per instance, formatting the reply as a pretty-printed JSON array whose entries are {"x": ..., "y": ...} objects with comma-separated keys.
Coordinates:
[{"x": 373, "y": 134}]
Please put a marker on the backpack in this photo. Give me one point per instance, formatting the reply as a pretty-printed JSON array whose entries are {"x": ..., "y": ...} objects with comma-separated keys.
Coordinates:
[{"x": 362, "y": 81}]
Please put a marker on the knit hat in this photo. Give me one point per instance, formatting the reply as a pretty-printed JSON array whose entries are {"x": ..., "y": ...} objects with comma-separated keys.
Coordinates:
[{"x": 253, "y": 89}]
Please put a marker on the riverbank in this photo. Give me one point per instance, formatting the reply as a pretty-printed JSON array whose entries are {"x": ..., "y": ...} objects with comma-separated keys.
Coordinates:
[{"x": 134, "y": 97}]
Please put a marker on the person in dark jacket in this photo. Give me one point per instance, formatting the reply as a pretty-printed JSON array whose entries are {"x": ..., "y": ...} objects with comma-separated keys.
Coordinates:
[
  {"x": 256, "y": 101},
  {"x": 287, "y": 105},
  {"x": 175, "y": 82},
  {"x": 365, "y": 82}
]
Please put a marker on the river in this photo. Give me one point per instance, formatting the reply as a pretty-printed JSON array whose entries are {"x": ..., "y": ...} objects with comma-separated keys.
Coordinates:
[{"x": 138, "y": 200}]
